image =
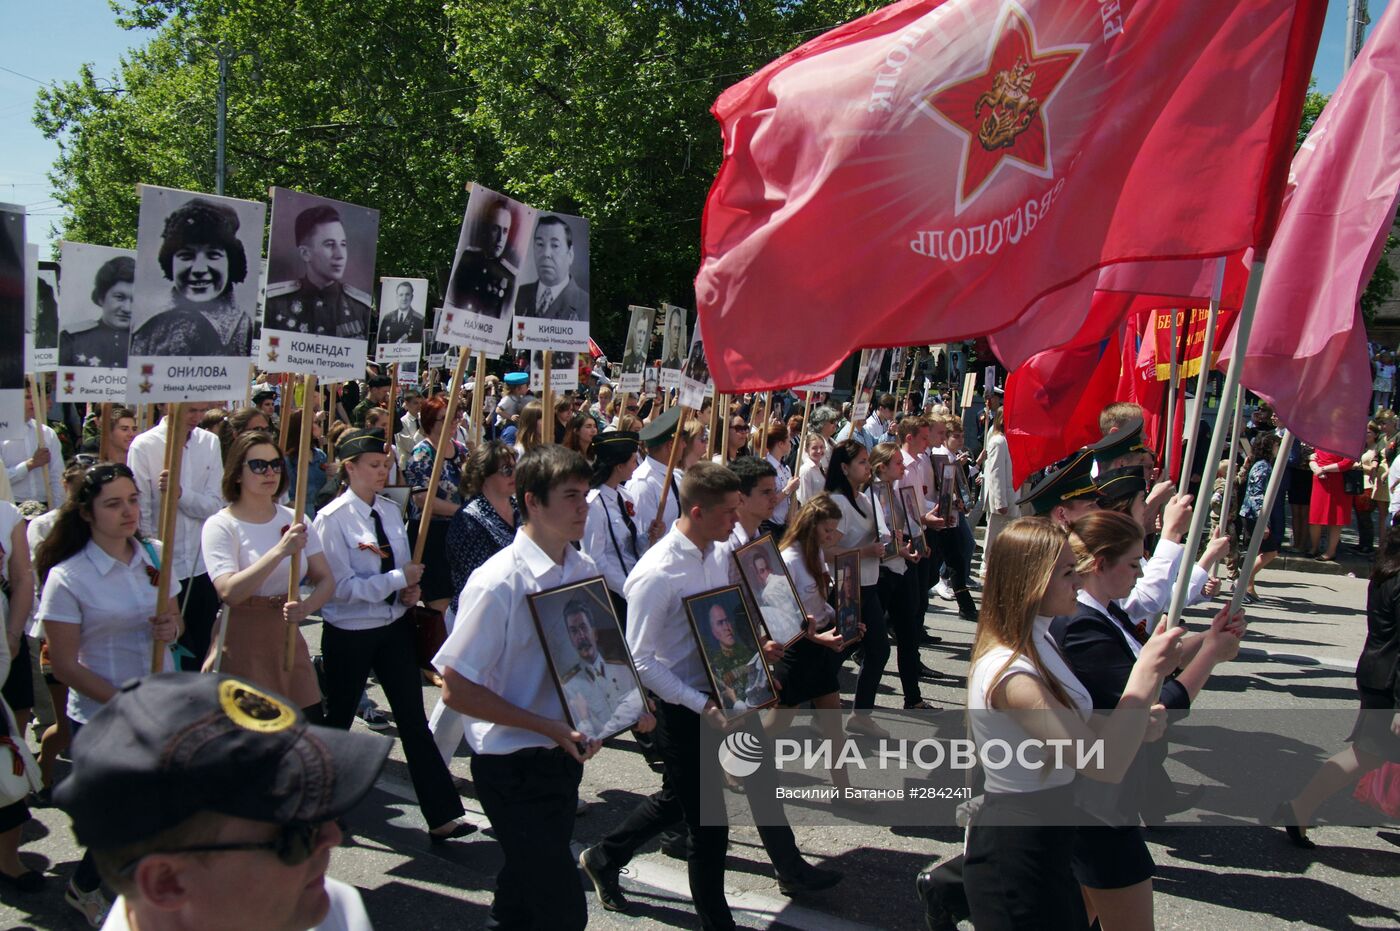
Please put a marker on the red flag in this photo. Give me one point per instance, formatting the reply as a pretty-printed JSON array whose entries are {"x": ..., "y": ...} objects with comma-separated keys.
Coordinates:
[
  {"x": 927, "y": 172},
  {"x": 1307, "y": 351}
]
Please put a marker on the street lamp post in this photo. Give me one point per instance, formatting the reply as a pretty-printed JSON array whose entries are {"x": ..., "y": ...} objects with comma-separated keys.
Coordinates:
[{"x": 225, "y": 55}]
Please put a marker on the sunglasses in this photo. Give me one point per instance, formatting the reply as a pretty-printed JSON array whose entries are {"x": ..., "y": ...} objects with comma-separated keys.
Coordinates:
[
  {"x": 506, "y": 471},
  {"x": 260, "y": 466},
  {"x": 294, "y": 844}
]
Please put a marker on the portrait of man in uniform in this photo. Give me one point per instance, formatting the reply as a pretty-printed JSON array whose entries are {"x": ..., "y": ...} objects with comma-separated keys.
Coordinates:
[
  {"x": 773, "y": 593},
  {"x": 403, "y": 323},
  {"x": 105, "y": 344},
  {"x": 554, "y": 295},
  {"x": 593, "y": 670},
  {"x": 634, "y": 357},
  {"x": 729, "y": 644},
  {"x": 203, "y": 259},
  {"x": 320, "y": 302},
  {"x": 674, "y": 339},
  {"x": 485, "y": 274}
]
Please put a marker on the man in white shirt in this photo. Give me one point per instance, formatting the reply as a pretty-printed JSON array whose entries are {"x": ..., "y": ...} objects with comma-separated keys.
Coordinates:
[
  {"x": 26, "y": 461},
  {"x": 646, "y": 483},
  {"x": 160, "y": 795},
  {"x": 688, "y": 560},
  {"x": 200, "y": 496},
  {"x": 880, "y": 424},
  {"x": 527, "y": 761}
]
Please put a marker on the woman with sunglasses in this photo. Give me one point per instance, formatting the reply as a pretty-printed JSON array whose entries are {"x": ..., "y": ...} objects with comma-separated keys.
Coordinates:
[
  {"x": 247, "y": 548},
  {"x": 738, "y": 440},
  {"x": 100, "y": 614},
  {"x": 366, "y": 627},
  {"x": 436, "y": 584}
]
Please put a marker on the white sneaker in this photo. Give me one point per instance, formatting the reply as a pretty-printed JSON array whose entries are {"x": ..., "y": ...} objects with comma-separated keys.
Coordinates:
[
  {"x": 92, "y": 905},
  {"x": 943, "y": 590}
]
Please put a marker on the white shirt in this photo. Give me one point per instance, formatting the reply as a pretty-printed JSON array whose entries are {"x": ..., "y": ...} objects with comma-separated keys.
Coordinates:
[
  {"x": 201, "y": 475},
  {"x": 1152, "y": 593},
  {"x": 25, "y": 486},
  {"x": 645, "y": 488},
  {"x": 811, "y": 480},
  {"x": 987, "y": 673},
  {"x": 232, "y": 545},
  {"x": 37, "y": 532},
  {"x": 808, "y": 592},
  {"x": 658, "y": 631},
  {"x": 858, "y": 530},
  {"x": 114, "y": 603},
  {"x": 347, "y": 911},
  {"x": 918, "y": 475},
  {"x": 606, "y": 537},
  {"x": 361, "y": 599},
  {"x": 494, "y": 644},
  {"x": 780, "y": 513}
]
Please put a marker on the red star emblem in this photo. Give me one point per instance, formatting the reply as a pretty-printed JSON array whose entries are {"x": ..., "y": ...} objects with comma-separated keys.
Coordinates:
[
  {"x": 1001, "y": 110},
  {"x": 274, "y": 341},
  {"x": 148, "y": 370}
]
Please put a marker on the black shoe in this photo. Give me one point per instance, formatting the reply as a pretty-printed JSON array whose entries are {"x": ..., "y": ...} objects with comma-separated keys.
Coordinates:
[
  {"x": 967, "y": 608},
  {"x": 676, "y": 844},
  {"x": 604, "y": 879},
  {"x": 28, "y": 881},
  {"x": 808, "y": 878},
  {"x": 941, "y": 905},
  {"x": 462, "y": 829},
  {"x": 927, "y": 638},
  {"x": 1287, "y": 818}
]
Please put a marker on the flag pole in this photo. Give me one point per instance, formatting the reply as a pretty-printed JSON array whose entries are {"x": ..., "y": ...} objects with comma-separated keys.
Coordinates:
[
  {"x": 1261, "y": 524},
  {"x": 547, "y": 419},
  {"x": 104, "y": 443},
  {"x": 308, "y": 417},
  {"x": 1170, "y": 432},
  {"x": 1228, "y": 396},
  {"x": 443, "y": 439},
  {"x": 286, "y": 410},
  {"x": 1227, "y": 494},
  {"x": 1203, "y": 376},
  {"x": 677, "y": 441},
  {"x": 722, "y": 400},
  {"x": 169, "y": 508}
]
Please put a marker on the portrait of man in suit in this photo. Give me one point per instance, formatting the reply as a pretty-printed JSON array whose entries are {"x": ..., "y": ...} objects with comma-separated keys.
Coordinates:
[
  {"x": 554, "y": 295},
  {"x": 402, "y": 324}
]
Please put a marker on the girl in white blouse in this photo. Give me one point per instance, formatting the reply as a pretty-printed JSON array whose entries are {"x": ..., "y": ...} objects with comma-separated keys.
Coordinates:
[
  {"x": 846, "y": 478},
  {"x": 247, "y": 548},
  {"x": 1021, "y": 689}
]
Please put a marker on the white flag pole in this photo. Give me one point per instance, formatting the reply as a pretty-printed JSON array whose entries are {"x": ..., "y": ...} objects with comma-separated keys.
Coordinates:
[{"x": 1203, "y": 376}]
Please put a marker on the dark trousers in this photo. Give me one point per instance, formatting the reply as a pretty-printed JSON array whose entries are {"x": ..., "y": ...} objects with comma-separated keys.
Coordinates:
[
  {"x": 928, "y": 569},
  {"x": 664, "y": 809},
  {"x": 900, "y": 598},
  {"x": 874, "y": 648},
  {"x": 950, "y": 548},
  {"x": 390, "y": 652},
  {"x": 200, "y": 609},
  {"x": 531, "y": 797}
]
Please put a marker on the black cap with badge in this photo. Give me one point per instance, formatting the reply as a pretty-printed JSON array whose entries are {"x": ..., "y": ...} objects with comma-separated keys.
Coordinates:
[
  {"x": 1072, "y": 480},
  {"x": 175, "y": 744},
  {"x": 1125, "y": 441},
  {"x": 356, "y": 442}
]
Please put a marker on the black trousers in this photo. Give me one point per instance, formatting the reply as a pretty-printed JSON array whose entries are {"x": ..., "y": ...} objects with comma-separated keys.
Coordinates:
[
  {"x": 901, "y": 599},
  {"x": 685, "y": 778},
  {"x": 531, "y": 797},
  {"x": 201, "y": 608},
  {"x": 950, "y": 548},
  {"x": 390, "y": 652},
  {"x": 874, "y": 648}
]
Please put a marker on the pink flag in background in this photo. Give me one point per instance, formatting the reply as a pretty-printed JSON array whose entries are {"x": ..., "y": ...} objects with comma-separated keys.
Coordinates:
[{"x": 1307, "y": 353}]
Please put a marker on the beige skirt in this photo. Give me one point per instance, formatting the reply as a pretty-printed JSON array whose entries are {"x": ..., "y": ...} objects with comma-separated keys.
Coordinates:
[{"x": 254, "y": 646}]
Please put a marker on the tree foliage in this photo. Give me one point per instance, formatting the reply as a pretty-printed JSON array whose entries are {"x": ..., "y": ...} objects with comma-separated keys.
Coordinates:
[{"x": 593, "y": 107}]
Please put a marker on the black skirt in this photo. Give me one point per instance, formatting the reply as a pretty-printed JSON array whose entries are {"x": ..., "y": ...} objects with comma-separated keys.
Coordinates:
[
  {"x": 1372, "y": 730},
  {"x": 1111, "y": 857},
  {"x": 805, "y": 671},
  {"x": 19, "y": 685},
  {"x": 436, "y": 583}
]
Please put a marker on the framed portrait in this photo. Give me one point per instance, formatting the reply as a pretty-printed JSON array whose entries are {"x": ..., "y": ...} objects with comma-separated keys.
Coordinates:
[
  {"x": 94, "y": 320},
  {"x": 773, "y": 594},
  {"x": 913, "y": 523},
  {"x": 967, "y": 498},
  {"x": 552, "y": 301},
  {"x": 403, "y": 306},
  {"x": 588, "y": 657},
  {"x": 884, "y": 498},
  {"x": 728, "y": 642},
  {"x": 847, "y": 584}
]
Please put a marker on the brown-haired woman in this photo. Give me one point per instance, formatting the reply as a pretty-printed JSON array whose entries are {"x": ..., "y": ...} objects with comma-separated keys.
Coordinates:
[
  {"x": 436, "y": 584},
  {"x": 579, "y": 434},
  {"x": 527, "y": 431},
  {"x": 1022, "y": 839},
  {"x": 247, "y": 548},
  {"x": 1102, "y": 646}
]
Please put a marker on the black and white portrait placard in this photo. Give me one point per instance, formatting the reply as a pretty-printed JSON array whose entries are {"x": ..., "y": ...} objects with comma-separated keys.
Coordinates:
[
  {"x": 493, "y": 249},
  {"x": 637, "y": 349},
  {"x": 588, "y": 657},
  {"x": 13, "y": 275},
  {"x": 695, "y": 373},
  {"x": 41, "y": 312},
  {"x": 563, "y": 370},
  {"x": 674, "y": 345},
  {"x": 873, "y": 359},
  {"x": 196, "y": 291},
  {"x": 94, "y": 322},
  {"x": 407, "y": 372},
  {"x": 403, "y": 305},
  {"x": 320, "y": 273},
  {"x": 551, "y": 304}
]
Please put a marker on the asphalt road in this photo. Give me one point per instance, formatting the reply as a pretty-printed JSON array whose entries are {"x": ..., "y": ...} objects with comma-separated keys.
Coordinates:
[{"x": 1301, "y": 652}]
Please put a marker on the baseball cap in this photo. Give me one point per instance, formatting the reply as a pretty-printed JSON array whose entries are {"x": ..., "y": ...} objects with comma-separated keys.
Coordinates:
[{"x": 171, "y": 745}]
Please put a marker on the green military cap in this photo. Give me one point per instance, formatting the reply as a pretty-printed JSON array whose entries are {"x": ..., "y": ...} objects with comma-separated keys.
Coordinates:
[
  {"x": 1071, "y": 481},
  {"x": 1124, "y": 441},
  {"x": 661, "y": 429}
]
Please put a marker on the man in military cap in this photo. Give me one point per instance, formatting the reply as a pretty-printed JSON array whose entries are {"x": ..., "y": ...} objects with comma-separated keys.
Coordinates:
[
  {"x": 403, "y": 324},
  {"x": 320, "y": 302},
  {"x": 201, "y": 255},
  {"x": 482, "y": 281},
  {"x": 1122, "y": 447},
  {"x": 210, "y": 804},
  {"x": 644, "y": 487},
  {"x": 104, "y": 345},
  {"x": 555, "y": 296},
  {"x": 1066, "y": 494},
  {"x": 603, "y": 697}
]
